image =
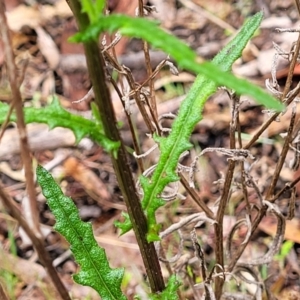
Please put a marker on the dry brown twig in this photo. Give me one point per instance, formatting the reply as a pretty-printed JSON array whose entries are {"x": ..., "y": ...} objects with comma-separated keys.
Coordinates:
[
  {"x": 287, "y": 96},
  {"x": 31, "y": 226},
  {"x": 269, "y": 196},
  {"x": 3, "y": 294},
  {"x": 18, "y": 106},
  {"x": 37, "y": 242},
  {"x": 237, "y": 154}
]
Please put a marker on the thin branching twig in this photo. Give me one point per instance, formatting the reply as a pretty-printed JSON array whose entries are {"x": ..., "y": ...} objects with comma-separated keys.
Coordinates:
[{"x": 18, "y": 106}]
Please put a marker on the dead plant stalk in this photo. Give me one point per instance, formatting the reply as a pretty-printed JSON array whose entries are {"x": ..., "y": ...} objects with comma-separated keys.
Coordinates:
[
  {"x": 32, "y": 230},
  {"x": 269, "y": 196},
  {"x": 18, "y": 106}
]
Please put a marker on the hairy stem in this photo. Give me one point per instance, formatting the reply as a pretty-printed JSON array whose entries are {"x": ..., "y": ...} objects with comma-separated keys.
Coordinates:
[{"x": 95, "y": 65}]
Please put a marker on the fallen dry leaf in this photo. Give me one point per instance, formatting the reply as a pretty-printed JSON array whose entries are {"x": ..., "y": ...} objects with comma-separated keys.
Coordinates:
[
  {"x": 34, "y": 275},
  {"x": 292, "y": 229},
  {"x": 29, "y": 272},
  {"x": 35, "y": 15},
  {"x": 48, "y": 48},
  {"x": 40, "y": 138},
  {"x": 92, "y": 184}
]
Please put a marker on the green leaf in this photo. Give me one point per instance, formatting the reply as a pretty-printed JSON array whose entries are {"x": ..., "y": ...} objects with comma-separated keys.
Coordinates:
[
  {"x": 190, "y": 113},
  {"x": 285, "y": 250},
  {"x": 170, "y": 292},
  {"x": 93, "y": 8},
  {"x": 88, "y": 8},
  {"x": 126, "y": 225},
  {"x": 95, "y": 270},
  {"x": 100, "y": 5},
  {"x": 96, "y": 113},
  {"x": 55, "y": 116},
  {"x": 185, "y": 57}
]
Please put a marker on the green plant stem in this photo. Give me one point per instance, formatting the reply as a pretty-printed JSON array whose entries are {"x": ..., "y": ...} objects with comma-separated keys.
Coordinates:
[{"x": 95, "y": 65}]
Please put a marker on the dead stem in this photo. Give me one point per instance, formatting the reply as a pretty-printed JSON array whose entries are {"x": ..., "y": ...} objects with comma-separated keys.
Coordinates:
[
  {"x": 137, "y": 97},
  {"x": 152, "y": 103},
  {"x": 3, "y": 294},
  {"x": 200, "y": 254},
  {"x": 269, "y": 196},
  {"x": 113, "y": 61},
  {"x": 196, "y": 198},
  {"x": 289, "y": 79},
  {"x": 287, "y": 187},
  {"x": 136, "y": 145},
  {"x": 138, "y": 90},
  {"x": 298, "y": 6},
  {"x": 37, "y": 243},
  {"x": 219, "y": 249},
  {"x": 283, "y": 98},
  {"x": 282, "y": 158},
  {"x": 17, "y": 104},
  {"x": 243, "y": 171}
]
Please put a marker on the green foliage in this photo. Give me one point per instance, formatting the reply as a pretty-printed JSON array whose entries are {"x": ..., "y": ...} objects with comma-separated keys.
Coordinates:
[
  {"x": 284, "y": 251},
  {"x": 190, "y": 113},
  {"x": 10, "y": 281},
  {"x": 93, "y": 8},
  {"x": 12, "y": 242},
  {"x": 172, "y": 90},
  {"x": 185, "y": 57},
  {"x": 169, "y": 293},
  {"x": 95, "y": 270},
  {"x": 55, "y": 116}
]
